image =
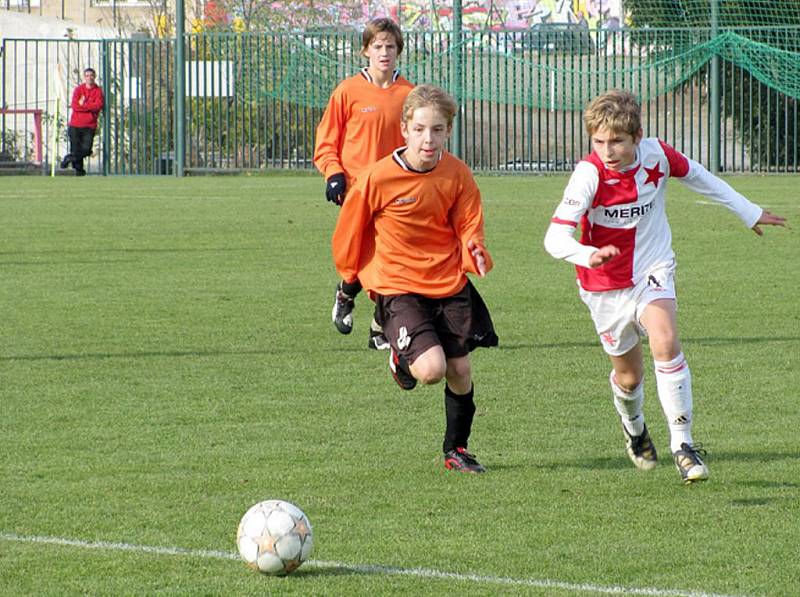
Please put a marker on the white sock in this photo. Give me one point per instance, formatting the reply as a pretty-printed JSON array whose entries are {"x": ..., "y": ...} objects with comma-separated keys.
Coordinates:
[
  {"x": 674, "y": 383},
  {"x": 629, "y": 406}
]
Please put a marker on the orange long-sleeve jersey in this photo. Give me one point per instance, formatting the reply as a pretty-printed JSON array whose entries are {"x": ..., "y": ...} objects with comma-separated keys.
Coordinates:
[
  {"x": 360, "y": 125},
  {"x": 406, "y": 232}
]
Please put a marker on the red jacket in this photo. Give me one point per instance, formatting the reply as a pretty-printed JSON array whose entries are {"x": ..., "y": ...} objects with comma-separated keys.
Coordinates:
[{"x": 84, "y": 114}]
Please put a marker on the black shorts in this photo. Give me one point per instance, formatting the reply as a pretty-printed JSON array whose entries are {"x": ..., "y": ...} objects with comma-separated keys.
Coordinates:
[{"x": 413, "y": 323}]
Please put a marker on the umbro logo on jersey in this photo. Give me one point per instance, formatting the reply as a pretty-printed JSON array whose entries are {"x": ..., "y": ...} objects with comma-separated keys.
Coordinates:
[
  {"x": 366, "y": 109},
  {"x": 404, "y": 200},
  {"x": 612, "y": 181}
]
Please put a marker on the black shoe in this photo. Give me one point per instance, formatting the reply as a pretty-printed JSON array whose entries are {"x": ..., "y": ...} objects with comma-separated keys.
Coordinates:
[
  {"x": 689, "y": 464},
  {"x": 377, "y": 341},
  {"x": 640, "y": 449},
  {"x": 400, "y": 371},
  {"x": 342, "y": 313},
  {"x": 462, "y": 461},
  {"x": 80, "y": 172},
  {"x": 66, "y": 161}
]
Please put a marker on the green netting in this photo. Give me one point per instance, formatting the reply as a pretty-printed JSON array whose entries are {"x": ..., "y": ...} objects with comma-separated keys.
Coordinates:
[
  {"x": 559, "y": 66},
  {"x": 650, "y": 63}
]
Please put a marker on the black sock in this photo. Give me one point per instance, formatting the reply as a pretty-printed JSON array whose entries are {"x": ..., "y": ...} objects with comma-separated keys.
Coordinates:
[
  {"x": 351, "y": 289},
  {"x": 459, "y": 411}
]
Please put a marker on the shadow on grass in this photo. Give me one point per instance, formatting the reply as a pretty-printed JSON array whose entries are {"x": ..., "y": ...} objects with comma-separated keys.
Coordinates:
[
  {"x": 345, "y": 349},
  {"x": 767, "y": 500},
  {"x": 762, "y": 484},
  {"x": 132, "y": 250},
  {"x": 723, "y": 456},
  {"x": 601, "y": 463},
  {"x": 686, "y": 340},
  {"x": 620, "y": 462},
  {"x": 751, "y": 340},
  {"x": 71, "y": 262},
  {"x": 325, "y": 569},
  {"x": 492, "y": 466},
  {"x": 138, "y": 355},
  {"x": 531, "y": 346},
  {"x": 749, "y": 502},
  {"x": 185, "y": 353}
]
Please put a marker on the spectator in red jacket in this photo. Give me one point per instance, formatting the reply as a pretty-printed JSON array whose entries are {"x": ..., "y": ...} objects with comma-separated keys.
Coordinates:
[{"x": 87, "y": 102}]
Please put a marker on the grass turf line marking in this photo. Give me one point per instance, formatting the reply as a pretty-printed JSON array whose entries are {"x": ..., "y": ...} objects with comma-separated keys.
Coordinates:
[{"x": 366, "y": 568}]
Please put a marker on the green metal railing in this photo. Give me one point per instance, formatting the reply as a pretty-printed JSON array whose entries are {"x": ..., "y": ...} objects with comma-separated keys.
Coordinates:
[{"x": 252, "y": 101}]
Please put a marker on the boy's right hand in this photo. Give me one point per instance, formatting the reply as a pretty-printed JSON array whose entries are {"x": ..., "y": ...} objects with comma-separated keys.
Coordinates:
[
  {"x": 336, "y": 188},
  {"x": 768, "y": 219},
  {"x": 602, "y": 255},
  {"x": 479, "y": 257}
]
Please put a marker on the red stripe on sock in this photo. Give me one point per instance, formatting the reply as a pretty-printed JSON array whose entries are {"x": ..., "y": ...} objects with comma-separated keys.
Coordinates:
[{"x": 675, "y": 369}]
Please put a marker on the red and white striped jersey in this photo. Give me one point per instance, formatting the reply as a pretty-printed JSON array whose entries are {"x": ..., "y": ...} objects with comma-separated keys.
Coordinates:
[{"x": 627, "y": 209}]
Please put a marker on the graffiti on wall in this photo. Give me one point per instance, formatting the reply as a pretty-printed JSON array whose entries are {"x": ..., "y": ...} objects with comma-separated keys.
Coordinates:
[
  {"x": 505, "y": 14},
  {"x": 430, "y": 15}
]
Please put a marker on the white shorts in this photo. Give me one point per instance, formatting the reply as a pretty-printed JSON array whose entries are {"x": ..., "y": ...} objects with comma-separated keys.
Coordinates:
[{"x": 616, "y": 313}]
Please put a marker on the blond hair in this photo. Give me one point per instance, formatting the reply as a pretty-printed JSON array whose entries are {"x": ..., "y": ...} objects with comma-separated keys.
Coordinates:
[
  {"x": 382, "y": 25},
  {"x": 617, "y": 110},
  {"x": 430, "y": 96}
]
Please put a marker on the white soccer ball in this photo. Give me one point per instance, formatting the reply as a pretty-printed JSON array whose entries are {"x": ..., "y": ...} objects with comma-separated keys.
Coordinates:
[{"x": 274, "y": 537}]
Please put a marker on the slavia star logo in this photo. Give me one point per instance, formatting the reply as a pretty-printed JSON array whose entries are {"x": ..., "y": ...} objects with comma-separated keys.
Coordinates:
[{"x": 653, "y": 174}]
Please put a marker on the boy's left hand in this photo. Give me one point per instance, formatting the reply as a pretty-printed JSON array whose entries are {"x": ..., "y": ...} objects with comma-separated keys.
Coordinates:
[
  {"x": 768, "y": 219},
  {"x": 478, "y": 257}
]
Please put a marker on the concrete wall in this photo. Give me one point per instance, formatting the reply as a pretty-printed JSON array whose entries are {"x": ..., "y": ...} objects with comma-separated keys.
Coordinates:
[
  {"x": 80, "y": 14},
  {"x": 22, "y": 24}
]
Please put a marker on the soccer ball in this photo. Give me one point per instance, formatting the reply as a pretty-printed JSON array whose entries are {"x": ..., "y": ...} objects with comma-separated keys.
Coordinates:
[{"x": 274, "y": 537}]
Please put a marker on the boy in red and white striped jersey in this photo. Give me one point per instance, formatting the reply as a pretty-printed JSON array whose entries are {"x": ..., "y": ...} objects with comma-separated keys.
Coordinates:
[{"x": 625, "y": 265}]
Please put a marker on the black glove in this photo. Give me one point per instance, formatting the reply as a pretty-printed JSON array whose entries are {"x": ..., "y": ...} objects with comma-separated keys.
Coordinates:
[{"x": 337, "y": 186}]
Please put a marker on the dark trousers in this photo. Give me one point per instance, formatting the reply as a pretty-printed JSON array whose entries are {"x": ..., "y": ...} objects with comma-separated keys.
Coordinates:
[{"x": 80, "y": 146}]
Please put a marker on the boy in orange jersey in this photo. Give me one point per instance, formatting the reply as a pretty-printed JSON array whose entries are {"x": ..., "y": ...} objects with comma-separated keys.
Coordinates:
[
  {"x": 410, "y": 230},
  {"x": 361, "y": 125}
]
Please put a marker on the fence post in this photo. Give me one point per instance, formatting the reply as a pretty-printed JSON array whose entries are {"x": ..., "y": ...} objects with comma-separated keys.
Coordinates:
[
  {"x": 105, "y": 68},
  {"x": 3, "y": 96},
  {"x": 715, "y": 112},
  {"x": 180, "y": 90},
  {"x": 455, "y": 83}
]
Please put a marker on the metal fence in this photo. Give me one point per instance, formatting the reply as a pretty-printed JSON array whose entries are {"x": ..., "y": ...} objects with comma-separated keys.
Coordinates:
[{"x": 253, "y": 100}]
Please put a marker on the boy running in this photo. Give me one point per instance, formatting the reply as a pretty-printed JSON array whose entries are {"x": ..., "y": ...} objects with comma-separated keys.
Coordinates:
[
  {"x": 361, "y": 125},
  {"x": 410, "y": 230},
  {"x": 626, "y": 266}
]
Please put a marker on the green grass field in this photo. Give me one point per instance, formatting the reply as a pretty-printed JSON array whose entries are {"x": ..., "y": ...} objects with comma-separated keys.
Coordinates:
[{"x": 167, "y": 359}]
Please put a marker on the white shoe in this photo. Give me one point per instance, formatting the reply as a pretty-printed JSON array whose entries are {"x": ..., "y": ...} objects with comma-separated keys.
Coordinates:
[{"x": 689, "y": 464}]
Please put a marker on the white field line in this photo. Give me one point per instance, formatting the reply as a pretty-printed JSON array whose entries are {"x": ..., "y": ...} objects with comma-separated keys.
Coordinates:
[{"x": 367, "y": 568}]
